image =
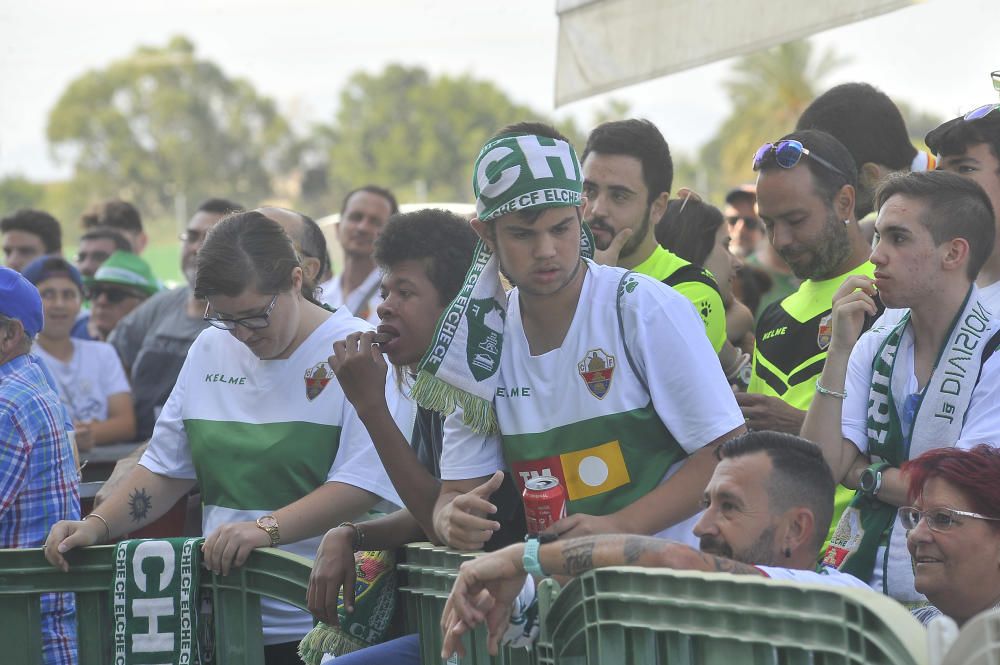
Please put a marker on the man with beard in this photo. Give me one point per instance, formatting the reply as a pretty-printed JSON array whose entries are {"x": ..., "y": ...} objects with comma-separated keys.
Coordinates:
[
  {"x": 767, "y": 510},
  {"x": 805, "y": 194},
  {"x": 154, "y": 339},
  {"x": 627, "y": 175}
]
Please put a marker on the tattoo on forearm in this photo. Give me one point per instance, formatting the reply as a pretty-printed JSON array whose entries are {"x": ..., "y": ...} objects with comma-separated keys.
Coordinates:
[
  {"x": 579, "y": 557},
  {"x": 139, "y": 504},
  {"x": 719, "y": 564},
  {"x": 634, "y": 548}
]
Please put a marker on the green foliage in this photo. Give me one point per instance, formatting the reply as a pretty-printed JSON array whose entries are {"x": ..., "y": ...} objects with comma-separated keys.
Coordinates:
[
  {"x": 416, "y": 134},
  {"x": 768, "y": 91},
  {"x": 162, "y": 125},
  {"x": 17, "y": 192}
]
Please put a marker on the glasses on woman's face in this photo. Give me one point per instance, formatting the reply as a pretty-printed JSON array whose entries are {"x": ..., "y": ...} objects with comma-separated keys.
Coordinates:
[
  {"x": 255, "y": 322},
  {"x": 938, "y": 519}
]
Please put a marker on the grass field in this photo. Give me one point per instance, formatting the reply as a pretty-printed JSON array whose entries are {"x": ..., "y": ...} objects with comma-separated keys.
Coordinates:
[{"x": 165, "y": 260}]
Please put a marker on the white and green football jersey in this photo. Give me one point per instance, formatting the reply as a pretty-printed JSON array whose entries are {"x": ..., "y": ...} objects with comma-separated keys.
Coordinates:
[{"x": 260, "y": 434}]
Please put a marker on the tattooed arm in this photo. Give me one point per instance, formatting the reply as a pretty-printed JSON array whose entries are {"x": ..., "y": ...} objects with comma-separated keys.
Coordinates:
[
  {"x": 579, "y": 555},
  {"x": 500, "y": 575},
  {"x": 141, "y": 498}
]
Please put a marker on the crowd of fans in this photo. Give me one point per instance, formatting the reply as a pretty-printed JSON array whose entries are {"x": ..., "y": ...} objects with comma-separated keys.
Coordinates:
[{"x": 801, "y": 385}]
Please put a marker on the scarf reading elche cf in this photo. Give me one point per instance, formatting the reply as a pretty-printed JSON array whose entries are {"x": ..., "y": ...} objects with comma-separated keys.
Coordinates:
[
  {"x": 154, "y": 595},
  {"x": 512, "y": 173},
  {"x": 869, "y": 533}
]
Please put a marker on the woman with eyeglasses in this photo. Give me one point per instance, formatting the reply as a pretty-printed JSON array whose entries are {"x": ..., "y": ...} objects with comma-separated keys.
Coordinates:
[
  {"x": 953, "y": 530},
  {"x": 88, "y": 374},
  {"x": 256, "y": 419}
]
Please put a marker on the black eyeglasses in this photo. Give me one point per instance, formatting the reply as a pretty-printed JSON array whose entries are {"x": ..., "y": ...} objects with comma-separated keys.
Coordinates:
[
  {"x": 788, "y": 153},
  {"x": 938, "y": 519},
  {"x": 255, "y": 322},
  {"x": 112, "y": 294}
]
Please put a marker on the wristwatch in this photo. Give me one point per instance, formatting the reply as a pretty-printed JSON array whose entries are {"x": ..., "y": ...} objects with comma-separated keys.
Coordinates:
[
  {"x": 529, "y": 559},
  {"x": 269, "y": 525},
  {"x": 870, "y": 481}
]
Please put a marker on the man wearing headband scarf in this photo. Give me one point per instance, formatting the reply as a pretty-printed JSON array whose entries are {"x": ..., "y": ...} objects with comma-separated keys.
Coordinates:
[{"x": 599, "y": 377}]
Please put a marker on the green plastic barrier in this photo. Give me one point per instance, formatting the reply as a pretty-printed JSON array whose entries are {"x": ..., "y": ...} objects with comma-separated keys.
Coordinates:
[
  {"x": 427, "y": 574},
  {"x": 25, "y": 574},
  {"x": 642, "y": 615}
]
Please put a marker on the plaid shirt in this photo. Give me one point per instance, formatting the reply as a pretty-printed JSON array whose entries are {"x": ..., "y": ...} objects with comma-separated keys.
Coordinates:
[{"x": 39, "y": 484}]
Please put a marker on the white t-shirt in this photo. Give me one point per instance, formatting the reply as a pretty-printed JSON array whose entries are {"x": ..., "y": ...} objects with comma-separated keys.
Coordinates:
[
  {"x": 580, "y": 413},
  {"x": 363, "y": 301},
  {"x": 982, "y": 420},
  {"x": 261, "y": 434},
  {"x": 826, "y": 575},
  {"x": 91, "y": 376}
]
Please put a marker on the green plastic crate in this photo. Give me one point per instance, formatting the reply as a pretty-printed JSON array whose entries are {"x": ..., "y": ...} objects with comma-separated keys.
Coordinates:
[
  {"x": 25, "y": 574},
  {"x": 427, "y": 574},
  {"x": 978, "y": 642},
  {"x": 641, "y": 615}
]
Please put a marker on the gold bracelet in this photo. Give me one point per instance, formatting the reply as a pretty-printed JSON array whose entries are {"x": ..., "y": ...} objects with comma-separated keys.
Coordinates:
[
  {"x": 107, "y": 527},
  {"x": 830, "y": 393}
]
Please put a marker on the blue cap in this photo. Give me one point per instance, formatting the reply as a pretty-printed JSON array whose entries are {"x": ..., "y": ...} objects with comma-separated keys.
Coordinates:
[
  {"x": 19, "y": 300},
  {"x": 44, "y": 267}
]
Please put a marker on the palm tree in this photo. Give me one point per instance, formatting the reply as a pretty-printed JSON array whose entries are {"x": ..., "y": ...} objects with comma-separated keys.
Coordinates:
[{"x": 768, "y": 90}]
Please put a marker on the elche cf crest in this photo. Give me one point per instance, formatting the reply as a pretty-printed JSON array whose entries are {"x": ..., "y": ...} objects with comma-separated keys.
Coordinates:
[
  {"x": 825, "y": 331},
  {"x": 316, "y": 378},
  {"x": 596, "y": 370}
]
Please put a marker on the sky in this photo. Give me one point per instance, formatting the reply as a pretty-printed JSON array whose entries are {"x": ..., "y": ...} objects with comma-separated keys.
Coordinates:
[{"x": 936, "y": 56}]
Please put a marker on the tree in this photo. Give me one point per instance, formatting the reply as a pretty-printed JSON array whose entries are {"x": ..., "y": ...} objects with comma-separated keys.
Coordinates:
[
  {"x": 416, "y": 134},
  {"x": 768, "y": 91},
  {"x": 163, "y": 126},
  {"x": 17, "y": 192}
]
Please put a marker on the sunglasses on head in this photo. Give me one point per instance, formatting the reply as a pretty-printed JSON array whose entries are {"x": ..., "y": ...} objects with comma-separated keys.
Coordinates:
[
  {"x": 788, "y": 153},
  {"x": 981, "y": 112},
  {"x": 112, "y": 294}
]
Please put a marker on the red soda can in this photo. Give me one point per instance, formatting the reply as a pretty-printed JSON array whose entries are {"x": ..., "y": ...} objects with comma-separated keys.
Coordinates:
[{"x": 544, "y": 503}]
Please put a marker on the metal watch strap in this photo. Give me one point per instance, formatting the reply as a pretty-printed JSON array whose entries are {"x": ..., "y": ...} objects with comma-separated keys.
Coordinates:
[
  {"x": 529, "y": 559},
  {"x": 272, "y": 531}
]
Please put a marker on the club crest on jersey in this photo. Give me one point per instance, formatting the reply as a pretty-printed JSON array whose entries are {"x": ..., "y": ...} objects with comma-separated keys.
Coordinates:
[
  {"x": 825, "y": 331},
  {"x": 316, "y": 378},
  {"x": 596, "y": 370}
]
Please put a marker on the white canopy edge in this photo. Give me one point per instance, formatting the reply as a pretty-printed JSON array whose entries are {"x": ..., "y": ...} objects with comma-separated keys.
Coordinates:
[{"x": 608, "y": 44}]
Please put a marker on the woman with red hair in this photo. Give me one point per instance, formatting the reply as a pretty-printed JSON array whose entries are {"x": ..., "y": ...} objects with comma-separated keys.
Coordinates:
[{"x": 953, "y": 530}]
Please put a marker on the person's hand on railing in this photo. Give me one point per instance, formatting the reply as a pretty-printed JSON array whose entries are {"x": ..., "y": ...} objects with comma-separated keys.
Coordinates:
[
  {"x": 230, "y": 546},
  {"x": 462, "y": 523},
  {"x": 484, "y": 591},
  {"x": 332, "y": 570},
  {"x": 70, "y": 534}
]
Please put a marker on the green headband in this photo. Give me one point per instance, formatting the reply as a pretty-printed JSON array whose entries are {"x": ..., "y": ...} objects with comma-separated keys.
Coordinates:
[{"x": 519, "y": 172}]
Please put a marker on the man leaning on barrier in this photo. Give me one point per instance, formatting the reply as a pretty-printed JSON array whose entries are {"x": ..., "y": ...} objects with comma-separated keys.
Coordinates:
[
  {"x": 39, "y": 483},
  {"x": 767, "y": 508}
]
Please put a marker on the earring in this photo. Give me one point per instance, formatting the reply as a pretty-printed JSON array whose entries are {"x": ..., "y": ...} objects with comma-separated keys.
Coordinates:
[
  {"x": 847, "y": 222},
  {"x": 788, "y": 552}
]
